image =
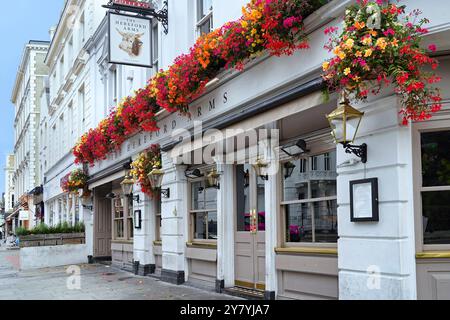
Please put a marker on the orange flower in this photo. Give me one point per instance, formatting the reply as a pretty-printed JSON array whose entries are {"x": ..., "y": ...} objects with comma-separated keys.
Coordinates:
[{"x": 359, "y": 25}]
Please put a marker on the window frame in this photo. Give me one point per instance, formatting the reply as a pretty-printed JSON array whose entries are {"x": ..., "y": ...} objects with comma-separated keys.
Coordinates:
[
  {"x": 311, "y": 201},
  {"x": 115, "y": 219},
  {"x": 201, "y": 21},
  {"x": 193, "y": 213},
  {"x": 418, "y": 129}
]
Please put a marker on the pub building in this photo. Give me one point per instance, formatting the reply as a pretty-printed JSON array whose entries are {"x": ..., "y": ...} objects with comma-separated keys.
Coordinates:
[{"x": 290, "y": 234}]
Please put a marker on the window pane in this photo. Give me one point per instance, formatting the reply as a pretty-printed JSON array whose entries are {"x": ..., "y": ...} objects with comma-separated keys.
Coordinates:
[
  {"x": 243, "y": 197},
  {"x": 298, "y": 223},
  {"x": 210, "y": 199},
  {"x": 310, "y": 182},
  {"x": 436, "y": 158},
  {"x": 436, "y": 217},
  {"x": 212, "y": 225},
  {"x": 261, "y": 204},
  {"x": 200, "y": 225},
  {"x": 119, "y": 229},
  {"x": 325, "y": 216},
  {"x": 197, "y": 196},
  {"x": 131, "y": 228}
]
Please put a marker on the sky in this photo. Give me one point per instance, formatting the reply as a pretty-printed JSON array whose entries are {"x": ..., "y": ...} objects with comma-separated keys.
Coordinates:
[{"x": 20, "y": 21}]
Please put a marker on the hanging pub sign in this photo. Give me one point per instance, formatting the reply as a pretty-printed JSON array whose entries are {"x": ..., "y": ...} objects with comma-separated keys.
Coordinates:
[
  {"x": 130, "y": 40},
  {"x": 143, "y": 4}
]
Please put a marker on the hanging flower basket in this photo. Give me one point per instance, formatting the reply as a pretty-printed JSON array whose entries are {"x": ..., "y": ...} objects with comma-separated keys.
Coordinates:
[
  {"x": 143, "y": 165},
  {"x": 378, "y": 47},
  {"x": 273, "y": 26}
]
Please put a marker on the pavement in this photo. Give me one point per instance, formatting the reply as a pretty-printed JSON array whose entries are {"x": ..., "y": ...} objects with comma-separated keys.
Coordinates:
[{"x": 95, "y": 282}]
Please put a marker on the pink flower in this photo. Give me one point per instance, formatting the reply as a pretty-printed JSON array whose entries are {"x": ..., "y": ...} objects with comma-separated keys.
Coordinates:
[
  {"x": 389, "y": 32},
  {"x": 432, "y": 47}
]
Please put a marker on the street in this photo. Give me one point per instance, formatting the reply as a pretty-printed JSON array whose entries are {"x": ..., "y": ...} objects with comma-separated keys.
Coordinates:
[{"x": 97, "y": 282}]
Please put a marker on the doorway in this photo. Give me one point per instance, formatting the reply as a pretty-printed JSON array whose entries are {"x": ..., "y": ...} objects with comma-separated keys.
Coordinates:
[
  {"x": 102, "y": 224},
  {"x": 250, "y": 243}
]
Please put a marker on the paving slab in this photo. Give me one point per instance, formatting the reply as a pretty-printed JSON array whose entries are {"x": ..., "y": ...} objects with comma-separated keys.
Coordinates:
[{"x": 97, "y": 282}]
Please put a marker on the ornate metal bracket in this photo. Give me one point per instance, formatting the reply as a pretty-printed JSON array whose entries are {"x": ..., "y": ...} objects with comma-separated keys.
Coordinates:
[
  {"x": 162, "y": 15},
  {"x": 359, "y": 151}
]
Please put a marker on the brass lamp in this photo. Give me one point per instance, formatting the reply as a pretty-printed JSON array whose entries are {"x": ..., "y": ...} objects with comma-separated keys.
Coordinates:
[
  {"x": 212, "y": 179},
  {"x": 261, "y": 169},
  {"x": 345, "y": 122},
  {"x": 156, "y": 177},
  {"x": 127, "y": 188}
]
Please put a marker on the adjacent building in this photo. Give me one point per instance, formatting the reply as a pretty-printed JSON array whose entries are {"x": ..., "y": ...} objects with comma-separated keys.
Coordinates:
[
  {"x": 9, "y": 193},
  {"x": 26, "y": 99}
]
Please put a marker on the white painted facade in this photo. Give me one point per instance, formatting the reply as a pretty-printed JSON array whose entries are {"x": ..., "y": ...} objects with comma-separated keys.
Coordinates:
[
  {"x": 70, "y": 104},
  {"x": 25, "y": 97},
  {"x": 369, "y": 261},
  {"x": 9, "y": 184}
]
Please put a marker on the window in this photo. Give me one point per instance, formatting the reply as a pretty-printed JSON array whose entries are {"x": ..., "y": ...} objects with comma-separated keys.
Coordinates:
[
  {"x": 70, "y": 52},
  {"x": 204, "y": 16},
  {"x": 123, "y": 218},
  {"x": 310, "y": 201},
  {"x": 113, "y": 87},
  {"x": 82, "y": 104},
  {"x": 119, "y": 225},
  {"x": 204, "y": 211},
  {"x": 61, "y": 70},
  {"x": 70, "y": 124},
  {"x": 435, "y": 189},
  {"x": 82, "y": 31},
  {"x": 155, "y": 53}
]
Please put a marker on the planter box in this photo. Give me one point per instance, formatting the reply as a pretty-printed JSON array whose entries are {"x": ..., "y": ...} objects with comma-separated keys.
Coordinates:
[
  {"x": 60, "y": 239},
  {"x": 53, "y": 256}
]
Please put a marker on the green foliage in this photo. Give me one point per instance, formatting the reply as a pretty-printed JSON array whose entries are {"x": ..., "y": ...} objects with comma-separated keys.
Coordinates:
[
  {"x": 22, "y": 231},
  {"x": 42, "y": 228}
]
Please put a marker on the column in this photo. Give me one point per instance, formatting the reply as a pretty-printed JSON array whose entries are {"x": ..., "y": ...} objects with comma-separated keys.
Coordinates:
[
  {"x": 145, "y": 236},
  {"x": 272, "y": 204},
  {"x": 225, "y": 228},
  {"x": 88, "y": 218},
  {"x": 174, "y": 222},
  {"x": 377, "y": 259}
]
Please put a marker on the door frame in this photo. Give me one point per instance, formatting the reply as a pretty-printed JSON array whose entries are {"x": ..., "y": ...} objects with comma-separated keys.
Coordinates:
[{"x": 253, "y": 207}]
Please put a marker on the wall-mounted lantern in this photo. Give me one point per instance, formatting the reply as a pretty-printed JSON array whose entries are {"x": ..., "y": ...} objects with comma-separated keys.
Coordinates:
[
  {"x": 261, "y": 169},
  {"x": 345, "y": 122},
  {"x": 213, "y": 179},
  {"x": 127, "y": 188},
  {"x": 296, "y": 148},
  {"x": 156, "y": 177},
  {"x": 289, "y": 169}
]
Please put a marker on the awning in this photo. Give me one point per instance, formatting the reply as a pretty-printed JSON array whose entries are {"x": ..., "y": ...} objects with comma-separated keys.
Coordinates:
[{"x": 110, "y": 174}]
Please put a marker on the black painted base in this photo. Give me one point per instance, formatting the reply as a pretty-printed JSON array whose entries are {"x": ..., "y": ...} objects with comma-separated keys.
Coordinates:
[
  {"x": 269, "y": 295},
  {"x": 173, "y": 277},
  {"x": 92, "y": 260},
  {"x": 145, "y": 269},
  {"x": 220, "y": 285}
]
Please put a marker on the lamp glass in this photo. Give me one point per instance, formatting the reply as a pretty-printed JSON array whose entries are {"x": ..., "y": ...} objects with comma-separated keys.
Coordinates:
[
  {"x": 156, "y": 177},
  {"x": 127, "y": 186},
  {"x": 344, "y": 122},
  {"x": 260, "y": 168}
]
